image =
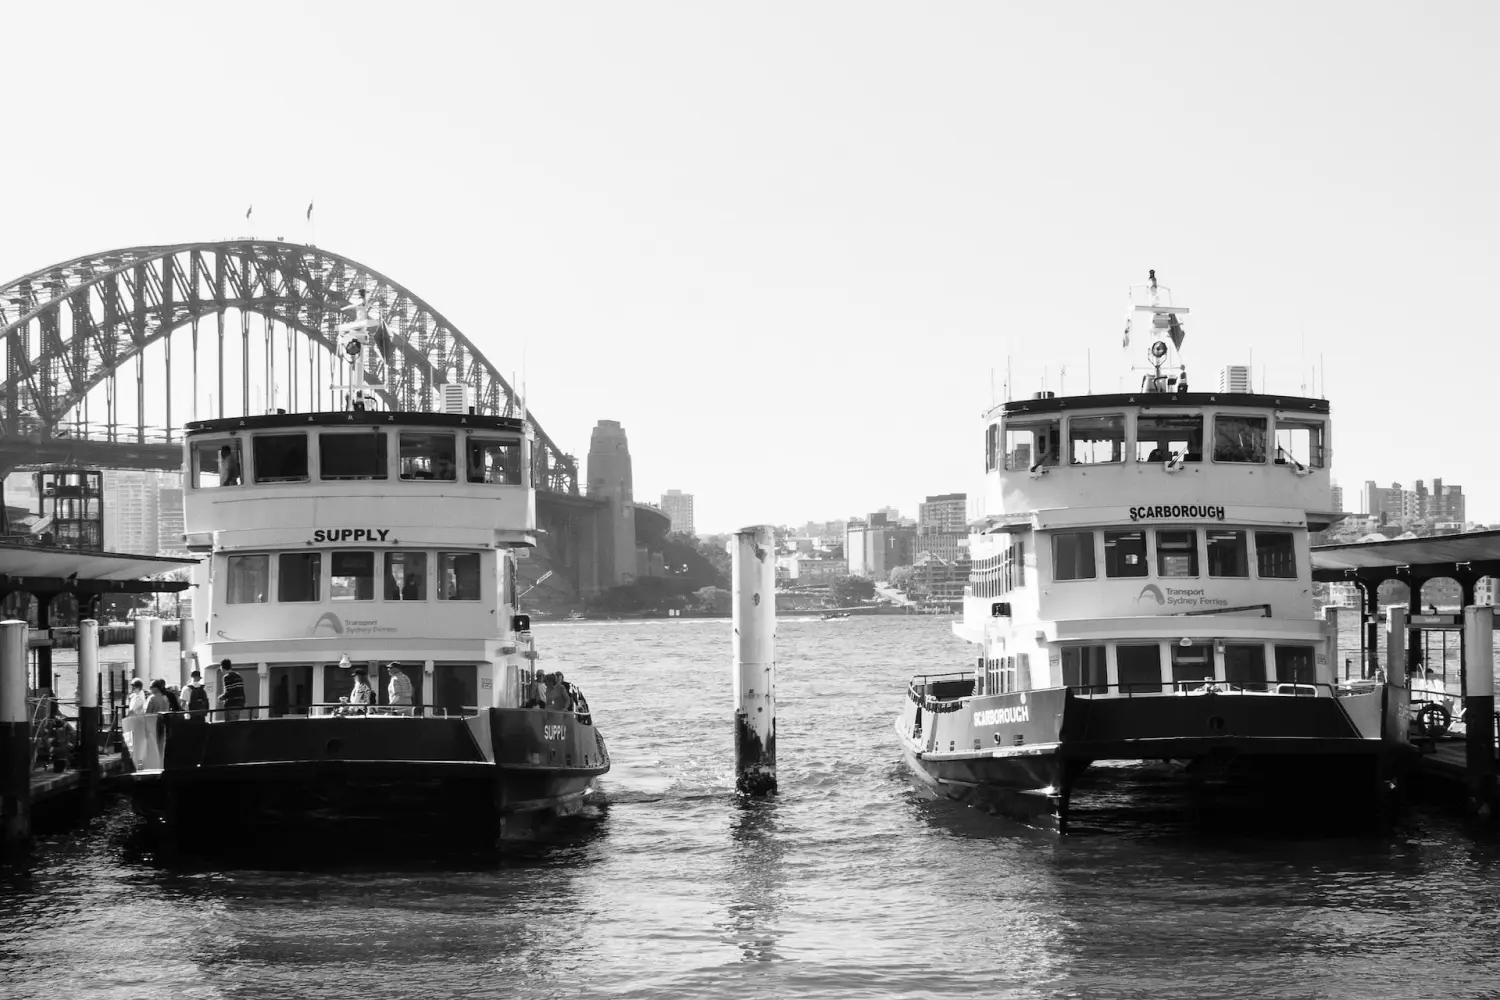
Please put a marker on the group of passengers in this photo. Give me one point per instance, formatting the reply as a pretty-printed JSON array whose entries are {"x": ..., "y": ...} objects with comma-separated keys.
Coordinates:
[
  {"x": 552, "y": 691},
  {"x": 163, "y": 698}
]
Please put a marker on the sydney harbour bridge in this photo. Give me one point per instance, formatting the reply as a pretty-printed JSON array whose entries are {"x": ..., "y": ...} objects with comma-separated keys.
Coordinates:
[{"x": 109, "y": 355}]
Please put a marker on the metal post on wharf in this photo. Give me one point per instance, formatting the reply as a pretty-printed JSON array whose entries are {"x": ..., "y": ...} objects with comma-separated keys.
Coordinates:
[
  {"x": 158, "y": 652},
  {"x": 754, "y": 629},
  {"x": 88, "y": 710},
  {"x": 142, "y": 669},
  {"x": 15, "y": 738},
  {"x": 1395, "y": 644},
  {"x": 187, "y": 656},
  {"x": 1479, "y": 708}
]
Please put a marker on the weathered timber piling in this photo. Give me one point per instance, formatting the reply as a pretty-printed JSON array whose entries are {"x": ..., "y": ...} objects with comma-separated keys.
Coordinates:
[
  {"x": 754, "y": 628},
  {"x": 15, "y": 738},
  {"x": 1479, "y": 707},
  {"x": 88, "y": 710}
]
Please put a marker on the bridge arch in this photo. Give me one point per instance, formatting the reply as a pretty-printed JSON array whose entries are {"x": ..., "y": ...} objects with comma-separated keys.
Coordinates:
[{"x": 69, "y": 327}]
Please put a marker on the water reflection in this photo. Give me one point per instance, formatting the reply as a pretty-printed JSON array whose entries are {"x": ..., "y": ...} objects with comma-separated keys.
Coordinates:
[{"x": 756, "y": 876}]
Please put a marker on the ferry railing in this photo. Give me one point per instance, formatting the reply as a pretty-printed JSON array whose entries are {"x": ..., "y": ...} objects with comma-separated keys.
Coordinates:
[
  {"x": 945, "y": 692},
  {"x": 342, "y": 709}
]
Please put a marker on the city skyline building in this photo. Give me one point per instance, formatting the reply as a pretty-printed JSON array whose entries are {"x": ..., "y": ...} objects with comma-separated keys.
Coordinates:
[{"x": 678, "y": 506}]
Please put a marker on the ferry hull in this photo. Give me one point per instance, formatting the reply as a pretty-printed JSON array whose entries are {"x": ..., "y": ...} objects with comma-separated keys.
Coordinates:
[
  {"x": 1020, "y": 755},
  {"x": 371, "y": 782}
]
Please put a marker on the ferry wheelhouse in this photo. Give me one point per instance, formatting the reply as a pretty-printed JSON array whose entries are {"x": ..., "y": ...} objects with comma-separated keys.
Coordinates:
[
  {"x": 337, "y": 544},
  {"x": 1142, "y": 590}
]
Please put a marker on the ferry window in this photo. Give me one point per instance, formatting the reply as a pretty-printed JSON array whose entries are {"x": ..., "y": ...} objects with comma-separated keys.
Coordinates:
[
  {"x": 1176, "y": 553},
  {"x": 249, "y": 579},
  {"x": 1192, "y": 665},
  {"x": 1245, "y": 666},
  {"x": 991, "y": 447},
  {"x": 427, "y": 456},
  {"x": 1125, "y": 553},
  {"x": 352, "y": 456},
  {"x": 1139, "y": 668},
  {"x": 1227, "y": 554},
  {"x": 458, "y": 576},
  {"x": 1294, "y": 665},
  {"x": 1031, "y": 444},
  {"x": 1096, "y": 440},
  {"x": 406, "y": 576},
  {"x": 216, "y": 463},
  {"x": 1164, "y": 437},
  {"x": 298, "y": 575},
  {"x": 352, "y": 577},
  {"x": 1275, "y": 557},
  {"x": 280, "y": 458},
  {"x": 1300, "y": 441},
  {"x": 455, "y": 687},
  {"x": 492, "y": 460},
  {"x": 1085, "y": 667},
  {"x": 1073, "y": 555},
  {"x": 1239, "y": 439}
]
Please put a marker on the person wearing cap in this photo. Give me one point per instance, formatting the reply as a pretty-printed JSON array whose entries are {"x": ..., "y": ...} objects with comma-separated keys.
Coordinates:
[
  {"x": 399, "y": 690},
  {"x": 136, "y": 705},
  {"x": 361, "y": 695}
]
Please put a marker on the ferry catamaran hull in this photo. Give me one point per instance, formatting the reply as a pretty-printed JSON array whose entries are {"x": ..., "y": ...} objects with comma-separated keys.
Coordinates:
[{"x": 1140, "y": 590}]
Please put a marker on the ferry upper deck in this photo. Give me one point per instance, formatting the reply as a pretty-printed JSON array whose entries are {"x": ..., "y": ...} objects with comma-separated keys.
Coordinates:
[{"x": 1153, "y": 449}]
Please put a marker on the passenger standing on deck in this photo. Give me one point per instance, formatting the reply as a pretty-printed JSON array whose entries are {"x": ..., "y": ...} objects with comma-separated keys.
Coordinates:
[
  {"x": 137, "y": 703},
  {"x": 536, "y": 692},
  {"x": 197, "y": 697},
  {"x": 399, "y": 690},
  {"x": 361, "y": 695},
  {"x": 557, "y": 693},
  {"x": 233, "y": 697},
  {"x": 158, "y": 702}
]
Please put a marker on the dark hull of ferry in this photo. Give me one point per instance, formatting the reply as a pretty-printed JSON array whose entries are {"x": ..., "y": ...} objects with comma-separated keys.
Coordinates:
[
  {"x": 1299, "y": 759},
  {"x": 355, "y": 783}
]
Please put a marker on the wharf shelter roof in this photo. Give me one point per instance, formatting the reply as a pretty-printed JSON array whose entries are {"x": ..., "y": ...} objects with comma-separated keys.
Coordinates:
[
  {"x": 1468, "y": 554},
  {"x": 52, "y": 568}
]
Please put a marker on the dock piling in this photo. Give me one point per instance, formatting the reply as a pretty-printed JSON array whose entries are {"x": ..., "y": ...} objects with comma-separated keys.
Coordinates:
[
  {"x": 88, "y": 710},
  {"x": 142, "y": 666},
  {"x": 187, "y": 657},
  {"x": 754, "y": 629},
  {"x": 15, "y": 737},
  {"x": 1395, "y": 644},
  {"x": 158, "y": 652},
  {"x": 1479, "y": 707}
]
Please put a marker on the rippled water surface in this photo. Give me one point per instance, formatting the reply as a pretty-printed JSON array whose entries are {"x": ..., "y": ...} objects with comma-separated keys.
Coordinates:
[{"x": 847, "y": 884}]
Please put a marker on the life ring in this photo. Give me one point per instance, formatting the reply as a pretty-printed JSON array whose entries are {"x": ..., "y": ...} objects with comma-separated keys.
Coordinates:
[{"x": 1434, "y": 719}]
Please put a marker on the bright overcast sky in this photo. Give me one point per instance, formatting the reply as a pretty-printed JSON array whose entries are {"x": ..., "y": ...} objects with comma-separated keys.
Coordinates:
[{"x": 787, "y": 244}]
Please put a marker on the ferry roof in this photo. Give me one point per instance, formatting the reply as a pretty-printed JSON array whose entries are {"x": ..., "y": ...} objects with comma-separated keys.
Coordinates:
[
  {"x": 344, "y": 418},
  {"x": 1478, "y": 552},
  {"x": 1162, "y": 400}
]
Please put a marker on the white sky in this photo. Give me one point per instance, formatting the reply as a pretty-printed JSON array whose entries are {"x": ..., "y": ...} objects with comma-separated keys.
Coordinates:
[{"x": 786, "y": 244}]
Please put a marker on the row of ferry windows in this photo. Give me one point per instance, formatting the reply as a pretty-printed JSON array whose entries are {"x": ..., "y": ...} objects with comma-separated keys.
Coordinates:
[
  {"x": 351, "y": 576},
  {"x": 1138, "y": 668},
  {"x": 1000, "y": 574},
  {"x": 1177, "y": 553},
  {"x": 364, "y": 454},
  {"x": 1037, "y": 442}
]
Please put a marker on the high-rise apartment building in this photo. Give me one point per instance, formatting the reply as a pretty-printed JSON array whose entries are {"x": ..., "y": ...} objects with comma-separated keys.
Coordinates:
[
  {"x": 1443, "y": 502},
  {"x": 1336, "y": 497},
  {"x": 945, "y": 512},
  {"x": 1235, "y": 378},
  {"x": 678, "y": 506}
]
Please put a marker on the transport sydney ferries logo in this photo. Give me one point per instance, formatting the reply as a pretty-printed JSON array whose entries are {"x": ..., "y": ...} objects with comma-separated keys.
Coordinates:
[
  {"x": 1178, "y": 596},
  {"x": 331, "y": 624}
]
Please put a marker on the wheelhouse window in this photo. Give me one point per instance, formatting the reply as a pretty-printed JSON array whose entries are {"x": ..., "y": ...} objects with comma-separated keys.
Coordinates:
[
  {"x": 352, "y": 576},
  {"x": 1125, "y": 553},
  {"x": 1275, "y": 556},
  {"x": 1239, "y": 439},
  {"x": 1073, "y": 555},
  {"x": 1176, "y": 553},
  {"x": 1294, "y": 665},
  {"x": 280, "y": 458},
  {"x": 991, "y": 447},
  {"x": 1245, "y": 666},
  {"x": 1096, "y": 440},
  {"x": 1031, "y": 444},
  {"x": 353, "y": 456},
  {"x": 1139, "y": 668},
  {"x": 428, "y": 456},
  {"x": 1299, "y": 442},
  {"x": 493, "y": 460},
  {"x": 298, "y": 575},
  {"x": 217, "y": 463},
  {"x": 1085, "y": 667},
  {"x": 1192, "y": 665},
  {"x": 249, "y": 579},
  {"x": 1165, "y": 437},
  {"x": 405, "y": 576},
  {"x": 458, "y": 576},
  {"x": 1227, "y": 553}
]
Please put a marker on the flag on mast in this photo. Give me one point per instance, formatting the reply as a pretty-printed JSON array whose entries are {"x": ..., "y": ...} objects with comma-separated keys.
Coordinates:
[
  {"x": 309, "y": 211},
  {"x": 249, "y": 210}
]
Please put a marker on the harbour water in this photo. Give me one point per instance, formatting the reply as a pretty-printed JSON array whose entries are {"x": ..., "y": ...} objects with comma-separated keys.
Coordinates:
[{"x": 848, "y": 883}]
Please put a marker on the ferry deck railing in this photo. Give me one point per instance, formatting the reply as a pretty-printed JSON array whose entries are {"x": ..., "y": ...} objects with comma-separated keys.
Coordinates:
[{"x": 945, "y": 692}]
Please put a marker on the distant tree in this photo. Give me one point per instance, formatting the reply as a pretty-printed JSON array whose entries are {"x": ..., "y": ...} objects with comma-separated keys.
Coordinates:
[
  {"x": 900, "y": 577},
  {"x": 853, "y": 589},
  {"x": 712, "y": 599},
  {"x": 837, "y": 552}
]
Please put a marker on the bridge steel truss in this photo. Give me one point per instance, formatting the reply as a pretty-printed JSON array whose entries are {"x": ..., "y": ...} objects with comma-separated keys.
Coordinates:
[{"x": 70, "y": 327}]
